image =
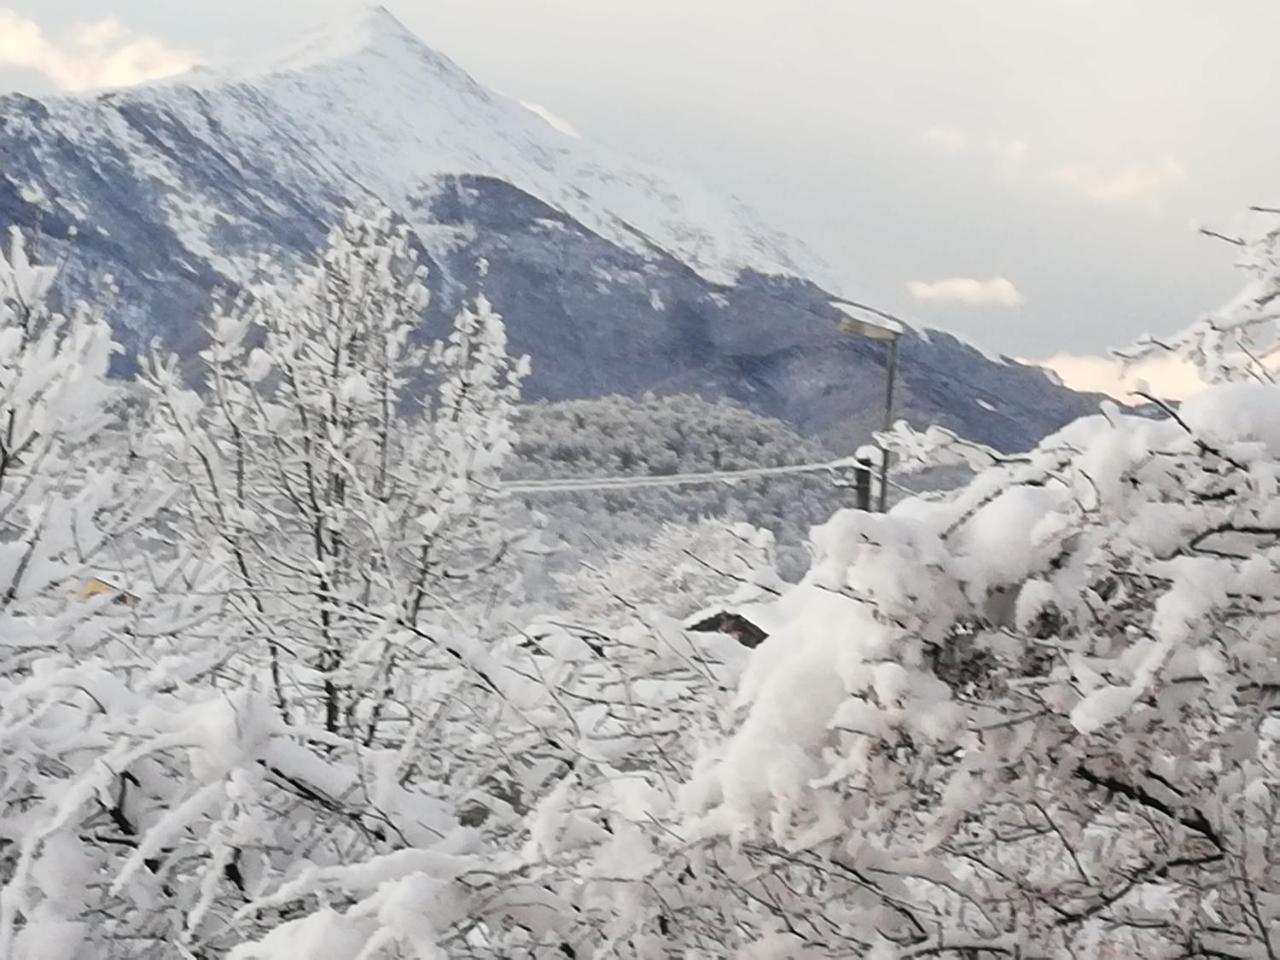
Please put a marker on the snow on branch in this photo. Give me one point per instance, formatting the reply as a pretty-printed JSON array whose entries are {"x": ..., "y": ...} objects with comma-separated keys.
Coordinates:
[{"x": 1030, "y": 717}]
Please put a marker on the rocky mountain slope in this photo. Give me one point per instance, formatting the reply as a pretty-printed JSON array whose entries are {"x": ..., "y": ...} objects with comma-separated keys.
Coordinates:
[{"x": 615, "y": 277}]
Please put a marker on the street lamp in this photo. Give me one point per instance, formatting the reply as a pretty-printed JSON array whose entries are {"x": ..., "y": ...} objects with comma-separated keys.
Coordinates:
[{"x": 872, "y": 324}]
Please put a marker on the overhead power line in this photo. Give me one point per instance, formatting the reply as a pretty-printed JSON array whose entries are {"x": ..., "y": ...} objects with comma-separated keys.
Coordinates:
[{"x": 575, "y": 485}]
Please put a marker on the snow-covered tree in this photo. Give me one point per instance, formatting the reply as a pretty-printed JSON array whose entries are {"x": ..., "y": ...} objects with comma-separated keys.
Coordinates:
[
  {"x": 291, "y": 743},
  {"x": 352, "y": 530},
  {"x": 73, "y": 505},
  {"x": 680, "y": 570},
  {"x": 348, "y": 514},
  {"x": 1240, "y": 340},
  {"x": 1032, "y": 718},
  {"x": 57, "y": 499}
]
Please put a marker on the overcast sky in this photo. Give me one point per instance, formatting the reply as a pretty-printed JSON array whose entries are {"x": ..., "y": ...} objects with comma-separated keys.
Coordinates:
[{"x": 1023, "y": 172}]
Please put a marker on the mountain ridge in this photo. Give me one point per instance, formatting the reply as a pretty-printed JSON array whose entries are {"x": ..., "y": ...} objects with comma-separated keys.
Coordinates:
[{"x": 616, "y": 277}]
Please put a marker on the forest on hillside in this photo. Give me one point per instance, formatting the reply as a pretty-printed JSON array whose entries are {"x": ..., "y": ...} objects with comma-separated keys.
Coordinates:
[{"x": 660, "y": 436}]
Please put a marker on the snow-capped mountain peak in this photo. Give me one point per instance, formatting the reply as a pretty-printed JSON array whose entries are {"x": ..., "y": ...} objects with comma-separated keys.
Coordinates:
[
  {"x": 619, "y": 277},
  {"x": 371, "y": 32},
  {"x": 370, "y": 28},
  {"x": 367, "y": 88},
  {"x": 368, "y": 108}
]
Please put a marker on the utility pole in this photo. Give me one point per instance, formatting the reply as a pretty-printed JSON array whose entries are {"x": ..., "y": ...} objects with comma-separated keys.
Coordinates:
[
  {"x": 890, "y": 376},
  {"x": 887, "y": 329}
]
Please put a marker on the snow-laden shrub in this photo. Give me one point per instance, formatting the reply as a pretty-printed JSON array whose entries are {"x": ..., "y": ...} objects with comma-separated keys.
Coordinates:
[
  {"x": 678, "y": 571},
  {"x": 1032, "y": 718},
  {"x": 298, "y": 737},
  {"x": 79, "y": 674},
  {"x": 1240, "y": 340}
]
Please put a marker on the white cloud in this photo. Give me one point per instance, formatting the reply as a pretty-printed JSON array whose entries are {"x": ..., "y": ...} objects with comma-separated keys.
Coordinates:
[
  {"x": 98, "y": 54},
  {"x": 556, "y": 122},
  {"x": 946, "y": 137},
  {"x": 1134, "y": 181},
  {"x": 969, "y": 291},
  {"x": 1008, "y": 153},
  {"x": 1165, "y": 377}
]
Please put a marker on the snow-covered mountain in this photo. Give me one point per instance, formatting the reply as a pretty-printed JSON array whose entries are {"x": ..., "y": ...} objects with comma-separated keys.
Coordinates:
[{"x": 615, "y": 276}]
